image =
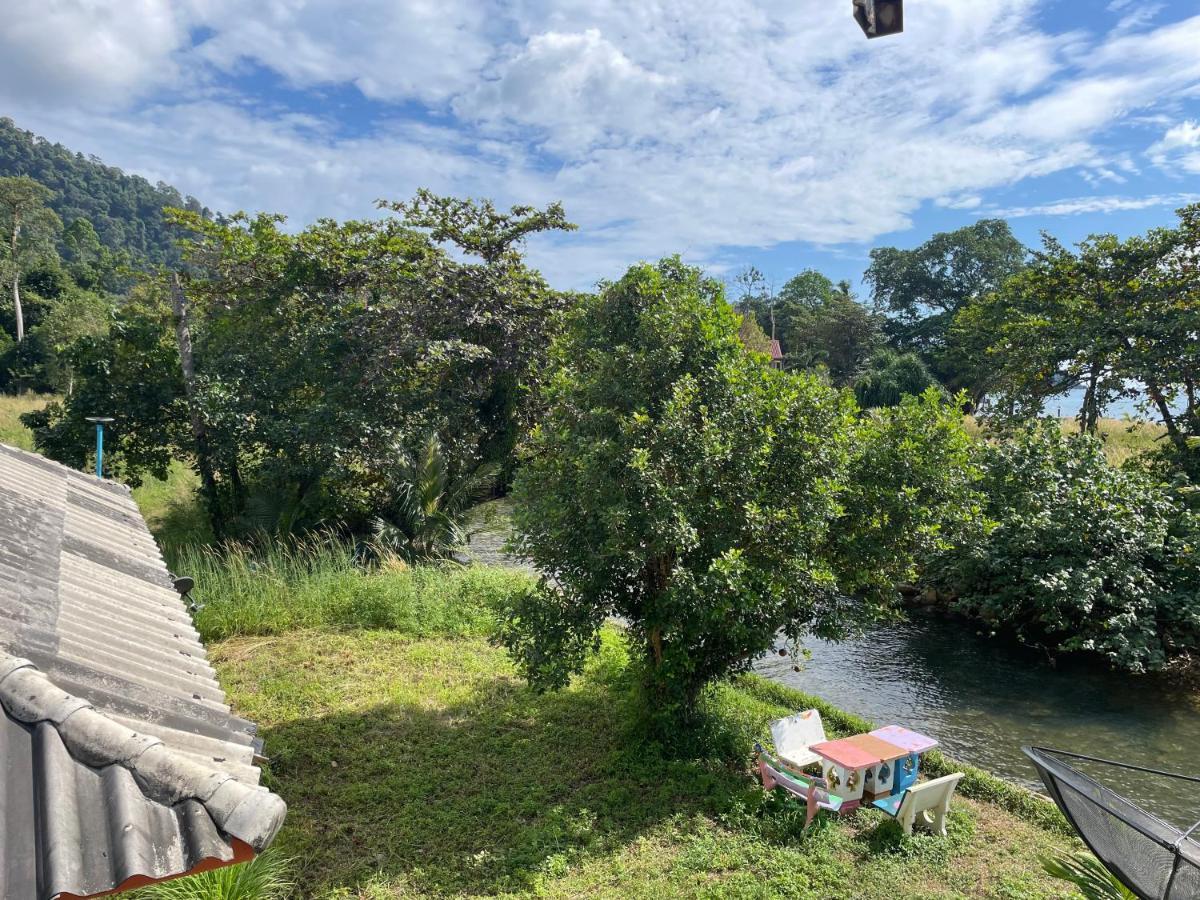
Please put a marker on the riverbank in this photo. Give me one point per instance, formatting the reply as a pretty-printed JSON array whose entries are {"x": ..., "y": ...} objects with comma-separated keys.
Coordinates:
[{"x": 422, "y": 766}]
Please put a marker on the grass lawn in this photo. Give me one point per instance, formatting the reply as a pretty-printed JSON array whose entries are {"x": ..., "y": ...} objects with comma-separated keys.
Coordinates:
[{"x": 422, "y": 766}]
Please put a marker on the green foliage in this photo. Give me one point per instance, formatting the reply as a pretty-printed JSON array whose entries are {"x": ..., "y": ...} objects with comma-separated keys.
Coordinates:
[
  {"x": 752, "y": 335},
  {"x": 889, "y": 377},
  {"x": 910, "y": 494},
  {"x": 125, "y": 211},
  {"x": 428, "y": 519},
  {"x": 1088, "y": 875},
  {"x": 1118, "y": 317},
  {"x": 263, "y": 878},
  {"x": 1084, "y": 555},
  {"x": 318, "y": 581},
  {"x": 130, "y": 372},
  {"x": 922, "y": 289},
  {"x": 682, "y": 485},
  {"x": 835, "y": 332},
  {"x": 315, "y": 356}
]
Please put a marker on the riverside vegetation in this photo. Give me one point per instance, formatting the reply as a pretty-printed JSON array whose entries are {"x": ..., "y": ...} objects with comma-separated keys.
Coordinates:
[
  {"x": 306, "y": 416},
  {"x": 417, "y": 763}
]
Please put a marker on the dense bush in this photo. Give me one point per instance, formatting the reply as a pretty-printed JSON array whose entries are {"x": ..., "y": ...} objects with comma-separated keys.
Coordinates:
[
  {"x": 708, "y": 500},
  {"x": 1084, "y": 555}
]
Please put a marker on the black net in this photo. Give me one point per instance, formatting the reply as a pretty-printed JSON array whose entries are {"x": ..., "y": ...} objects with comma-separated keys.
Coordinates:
[{"x": 1154, "y": 859}]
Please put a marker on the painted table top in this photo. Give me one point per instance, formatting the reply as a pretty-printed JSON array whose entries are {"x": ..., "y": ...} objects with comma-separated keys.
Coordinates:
[
  {"x": 884, "y": 750},
  {"x": 910, "y": 741},
  {"x": 846, "y": 754}
]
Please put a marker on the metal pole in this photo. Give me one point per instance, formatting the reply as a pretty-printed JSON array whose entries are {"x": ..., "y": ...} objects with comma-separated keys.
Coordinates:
[{"x": 99, "y": 420}]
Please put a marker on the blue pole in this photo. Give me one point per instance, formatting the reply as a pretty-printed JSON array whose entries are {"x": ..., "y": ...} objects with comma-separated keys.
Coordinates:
[{"x": 99, "y": 449}]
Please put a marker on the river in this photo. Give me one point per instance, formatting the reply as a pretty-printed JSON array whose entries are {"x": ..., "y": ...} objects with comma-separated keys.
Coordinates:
[{"x": 984, "y": 699}]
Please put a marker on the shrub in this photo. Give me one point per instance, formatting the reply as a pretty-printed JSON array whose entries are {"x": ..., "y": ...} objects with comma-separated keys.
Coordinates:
[
  {"x": 679, "y": 483},
  {"x": 1083, "y": 556},
  {"x": 428, "y": 520}
]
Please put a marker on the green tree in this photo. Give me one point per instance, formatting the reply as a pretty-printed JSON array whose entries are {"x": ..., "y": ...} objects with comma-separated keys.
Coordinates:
[
  {"x": 679, "y": 483},
  {"x": 836, "y": 333},
  {"x": 297, "y": 363},
  {"x": 1117, "y": 317},
  {"x": 922, "y": 289},
  {"x": 1085, "y": 556},
  {"x": 29, "y": 230},
  {"x": 888, "y": 377},
  {"x": 752, "y": 335}
]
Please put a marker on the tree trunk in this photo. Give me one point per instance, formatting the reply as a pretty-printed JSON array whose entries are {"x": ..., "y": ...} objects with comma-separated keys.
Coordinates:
[
  {"x": 16, "y": 276},
  {"x": 1088, "y": 414},
  {"x": 1160, "y": 401},
  {"x": 183, "y": 337}
]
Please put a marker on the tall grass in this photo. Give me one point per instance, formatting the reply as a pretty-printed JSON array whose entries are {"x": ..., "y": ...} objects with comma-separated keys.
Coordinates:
[
  {"x": 263, "y": 878},
  {"x": 12, "y": 432},
  {"x": 317, "y": 582}
]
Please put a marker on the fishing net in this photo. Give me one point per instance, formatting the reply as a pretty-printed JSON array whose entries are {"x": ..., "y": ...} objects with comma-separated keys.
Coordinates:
[{"x": 1154, "y": 859}]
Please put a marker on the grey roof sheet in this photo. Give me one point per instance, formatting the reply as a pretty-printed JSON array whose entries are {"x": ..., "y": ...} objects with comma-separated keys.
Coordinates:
[{"x": 119, "y": 756}]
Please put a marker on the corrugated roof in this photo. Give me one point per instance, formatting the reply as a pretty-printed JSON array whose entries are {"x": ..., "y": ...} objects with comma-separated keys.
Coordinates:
[
  {"x": 120, "y": 760},
  {"x": 775, "y": 351}
]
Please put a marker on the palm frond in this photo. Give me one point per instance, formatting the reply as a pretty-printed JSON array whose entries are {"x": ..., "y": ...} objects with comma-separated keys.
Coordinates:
[
  {"x": 263, "y": 878},
  {"x": 1088, "y": 875}
]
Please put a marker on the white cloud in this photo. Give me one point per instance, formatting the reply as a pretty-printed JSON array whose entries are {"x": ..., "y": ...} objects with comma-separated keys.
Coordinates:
[
  {"x": 1081, "y": 205},
  {"x": 83, "y": 51},
  {"x": 1178, "y": 151},
  {"x": 666, "y": 126},
  {"x": 423, "y": 49}
]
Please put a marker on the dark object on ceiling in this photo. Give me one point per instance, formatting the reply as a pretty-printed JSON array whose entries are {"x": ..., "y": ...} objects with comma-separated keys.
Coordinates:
[
  {"x": 879, "y": 18},
  {"x": 121, "y": 763}
]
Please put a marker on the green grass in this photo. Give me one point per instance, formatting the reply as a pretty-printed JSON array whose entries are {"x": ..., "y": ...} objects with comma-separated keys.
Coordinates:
[
  {"x": 12, "y": 432},
  {"x": 423, "y": 766},
  {"x": 173, "y": 510},
  {"x": 320, "y": 583}
]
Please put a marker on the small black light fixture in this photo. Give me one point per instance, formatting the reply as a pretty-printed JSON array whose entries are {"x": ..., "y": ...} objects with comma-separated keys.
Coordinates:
[{"x": 879, "y": 18}]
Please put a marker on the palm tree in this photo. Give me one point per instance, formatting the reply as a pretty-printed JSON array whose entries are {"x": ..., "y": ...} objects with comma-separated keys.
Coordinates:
[{"x": 428, "y": 519}]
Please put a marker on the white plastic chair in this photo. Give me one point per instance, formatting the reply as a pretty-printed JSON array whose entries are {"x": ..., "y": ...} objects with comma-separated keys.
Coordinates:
[
  {"x": 924, "y": 804},
  {"x": 795, "y": 734}
]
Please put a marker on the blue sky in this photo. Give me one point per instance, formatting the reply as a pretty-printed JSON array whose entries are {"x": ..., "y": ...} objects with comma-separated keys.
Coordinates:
[{"x": 733, "y": 132}]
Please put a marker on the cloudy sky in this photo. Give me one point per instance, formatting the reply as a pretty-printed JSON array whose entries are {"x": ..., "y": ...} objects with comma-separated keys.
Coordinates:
[{"x": 734, "y": 132}]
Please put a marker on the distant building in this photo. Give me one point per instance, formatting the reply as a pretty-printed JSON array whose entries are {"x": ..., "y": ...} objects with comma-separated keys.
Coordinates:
[
  {"x": 776, "y": 354},
  {"x": 120, "y": 761}
]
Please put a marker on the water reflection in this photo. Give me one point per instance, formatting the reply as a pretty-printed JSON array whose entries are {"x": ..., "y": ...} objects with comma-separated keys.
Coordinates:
[{"x": 984, "y": 699}]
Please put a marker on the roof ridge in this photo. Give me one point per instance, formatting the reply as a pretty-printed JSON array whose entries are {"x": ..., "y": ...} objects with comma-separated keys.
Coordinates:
[
  {"x": 40, "y": 458},
  {"x": 249, "y": 813}
]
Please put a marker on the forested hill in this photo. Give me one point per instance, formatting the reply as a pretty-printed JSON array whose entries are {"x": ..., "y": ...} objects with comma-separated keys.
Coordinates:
[{"x": 125, "y": 210}]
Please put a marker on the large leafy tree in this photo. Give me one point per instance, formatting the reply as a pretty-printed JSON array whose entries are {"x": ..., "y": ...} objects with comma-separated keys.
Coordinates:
[
  {"x": 679, "y": 483},
  {"x": 28, "y": 229},
  {"x": 1117, "y": 317},
  {"x": 835, "y": 332},
  {"x": 922, "y": 289},
  {"x": 301, "y": 366}
]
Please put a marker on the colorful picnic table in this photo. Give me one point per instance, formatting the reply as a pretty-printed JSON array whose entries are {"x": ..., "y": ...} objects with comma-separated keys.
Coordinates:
[
  {"x": 878, "y": 779},
  {"x": 844, "y": 767}
]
